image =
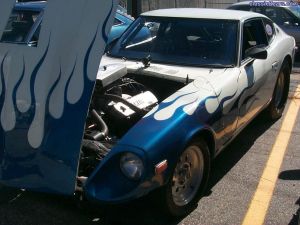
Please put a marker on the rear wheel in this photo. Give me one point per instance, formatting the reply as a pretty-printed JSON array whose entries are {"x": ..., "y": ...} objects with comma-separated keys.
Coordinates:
[
  {"x": 280, "y": 94},
  {"x": 188, "y": 181}
]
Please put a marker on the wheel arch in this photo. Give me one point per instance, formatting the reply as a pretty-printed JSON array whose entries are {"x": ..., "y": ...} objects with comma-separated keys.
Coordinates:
[
  {"x": 209, "y": 137},
  {"x": 289, "y": 60}
]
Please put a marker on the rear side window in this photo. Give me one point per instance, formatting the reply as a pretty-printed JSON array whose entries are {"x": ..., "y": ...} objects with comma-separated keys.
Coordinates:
[
  {"x": 269, "y": 28},
  {"x": 260, "y": 10},
  {"x": 253, "y": 35},
  {"x": 19, "y": 26},
  {"x": 279, "y": 15}
]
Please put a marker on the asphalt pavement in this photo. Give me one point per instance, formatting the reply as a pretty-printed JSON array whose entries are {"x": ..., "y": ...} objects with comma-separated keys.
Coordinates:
[{"x": 236, "y": 178}]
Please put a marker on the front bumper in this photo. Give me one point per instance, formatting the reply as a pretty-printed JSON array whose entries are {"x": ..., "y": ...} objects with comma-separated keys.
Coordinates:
[{"x": 108, "y": 185}]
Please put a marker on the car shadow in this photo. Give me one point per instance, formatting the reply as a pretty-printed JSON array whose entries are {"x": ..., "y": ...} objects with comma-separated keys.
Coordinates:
[
  {"x": 44, "y": 209},
  {"x": 292, "y": 175},
  {"x": 296, "y": 217},
  {"x": 237, "y": 149}
]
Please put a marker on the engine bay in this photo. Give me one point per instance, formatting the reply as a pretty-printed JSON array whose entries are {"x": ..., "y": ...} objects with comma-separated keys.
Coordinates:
[{"x": 117, "y": 104}]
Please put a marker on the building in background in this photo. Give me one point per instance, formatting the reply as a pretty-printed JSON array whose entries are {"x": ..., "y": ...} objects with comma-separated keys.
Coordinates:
[
  {"x": 146, "y": 5},
  {"x": 159, "y": 4},
  {"x": 135, "y": 7}
]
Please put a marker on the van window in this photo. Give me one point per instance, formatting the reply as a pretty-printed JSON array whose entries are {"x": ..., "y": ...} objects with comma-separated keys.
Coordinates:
[{"x": 19, "y": 26}]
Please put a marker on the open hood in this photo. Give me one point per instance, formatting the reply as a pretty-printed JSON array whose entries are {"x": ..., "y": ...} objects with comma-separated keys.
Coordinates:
[{"x": 45, "y": 92}]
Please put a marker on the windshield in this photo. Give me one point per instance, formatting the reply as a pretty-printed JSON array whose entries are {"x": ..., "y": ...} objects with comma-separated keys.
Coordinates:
[
  {"x": 197, "y": 42},
  {"x": 295, "y": 10}
]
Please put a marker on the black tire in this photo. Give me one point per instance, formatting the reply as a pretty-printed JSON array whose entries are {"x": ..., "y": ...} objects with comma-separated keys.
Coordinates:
[
  {"x": 167, "y": 195},
  {"x": 278, "y": 102}
]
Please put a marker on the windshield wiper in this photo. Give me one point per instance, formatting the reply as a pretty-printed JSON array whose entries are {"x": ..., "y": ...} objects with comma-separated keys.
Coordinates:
[{"x": 216, "y": 65}]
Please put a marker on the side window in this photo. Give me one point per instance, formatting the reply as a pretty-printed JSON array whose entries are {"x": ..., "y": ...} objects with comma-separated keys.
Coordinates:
[
  {"x": 259, "y": 9},
  {"x": 252, "y": 9},
  {"x": 253, "y": 35},
  {"x": 279, "y": 15},
  {"x": 241, "y": 7},
  {"x": 19, "y": 26},
  {"x": 269, "y": 28}
]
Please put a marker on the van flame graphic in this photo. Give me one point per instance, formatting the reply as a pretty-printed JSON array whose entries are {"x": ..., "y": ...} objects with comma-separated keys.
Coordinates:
[{"x": 32, "y": 93}]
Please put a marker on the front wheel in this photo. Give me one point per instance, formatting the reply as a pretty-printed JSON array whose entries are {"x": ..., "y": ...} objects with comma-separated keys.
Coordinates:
[
  {"x": 188, "y": 181},
  {"x": 280, "y": 94}
]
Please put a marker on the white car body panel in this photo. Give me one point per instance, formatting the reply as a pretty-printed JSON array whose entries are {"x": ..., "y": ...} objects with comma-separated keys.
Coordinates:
[{"x": 254, "y": 78}]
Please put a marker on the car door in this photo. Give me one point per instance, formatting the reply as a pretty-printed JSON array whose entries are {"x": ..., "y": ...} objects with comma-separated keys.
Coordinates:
[
  {"x": 45, "y": 92},
  {"x": 254, "y": 81}
]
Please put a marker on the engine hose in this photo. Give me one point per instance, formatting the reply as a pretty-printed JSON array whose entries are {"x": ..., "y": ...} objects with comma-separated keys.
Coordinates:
[
  {"x": 139, "y": 111},
  {"x": 100, "y": 122}
]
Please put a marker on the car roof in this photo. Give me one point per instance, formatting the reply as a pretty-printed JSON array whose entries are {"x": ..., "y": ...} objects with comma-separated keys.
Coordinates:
[
  {"x": 248, "y": 3},
  {"x": 203, "y": 13}
]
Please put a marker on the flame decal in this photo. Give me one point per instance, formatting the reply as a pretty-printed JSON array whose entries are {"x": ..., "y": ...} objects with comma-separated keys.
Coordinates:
[
  {"x": 167, "y": 102},
  {"x": 225, "y": 99},
  {"x": 35, "y": 71},
  {"x": 58, "y": 95},
  {"x": 104, "y": 34},
  {"x": 36, "y": 129},
  {"x": 212, "y": 103},
  {"x": 69, "y": 79},
  {"x": 53, "y": 88},
  {"x": 18, "y": 85},
  {"x": 2, "y": 76},
  {"x": 10, "y": 119},
  {"x": 87, "y": 56},
  {"x": 73, "y": 82},
  {"x": 189, "y": 102},
  {"x": 39, "y": 96}
]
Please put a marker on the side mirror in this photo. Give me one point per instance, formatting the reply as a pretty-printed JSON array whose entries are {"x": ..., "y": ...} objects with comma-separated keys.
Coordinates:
[{"x": 256, "y": 53}]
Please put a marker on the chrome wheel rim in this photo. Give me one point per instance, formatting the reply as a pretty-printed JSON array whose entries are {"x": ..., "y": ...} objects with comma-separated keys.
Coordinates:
[
  {"x": 187, "y": 176},
  {"x": 279, "y": 90}
]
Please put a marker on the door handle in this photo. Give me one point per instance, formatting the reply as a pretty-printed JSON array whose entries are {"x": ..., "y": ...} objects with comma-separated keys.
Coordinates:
[{"x": 275, "y": 66}]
